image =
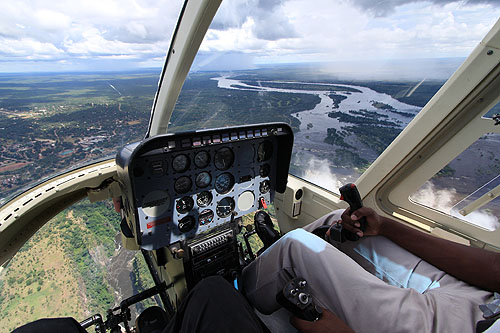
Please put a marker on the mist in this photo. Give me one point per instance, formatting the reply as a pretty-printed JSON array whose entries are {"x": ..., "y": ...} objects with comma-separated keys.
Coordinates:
[
  {"x": 445, "y": 201},
  {"x": 318, "y": 172},
  {"x": 394, "y": 69}
]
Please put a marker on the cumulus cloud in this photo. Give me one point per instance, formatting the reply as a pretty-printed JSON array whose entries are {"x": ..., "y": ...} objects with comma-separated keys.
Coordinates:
[
  {"x": 268, "y": 31},
  {"x": 269, "y": 17},
  {"x": 296, "y": 31},
  {"x": 66, "y": 30}
]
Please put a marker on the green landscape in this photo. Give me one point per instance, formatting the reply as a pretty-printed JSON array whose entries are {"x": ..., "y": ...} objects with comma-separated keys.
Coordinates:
[{"x": 63, "y": 269}]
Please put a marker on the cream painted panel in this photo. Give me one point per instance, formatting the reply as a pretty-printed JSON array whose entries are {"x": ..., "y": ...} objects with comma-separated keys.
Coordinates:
[
  {"x": 316, "y": 202},
  {"x": 194, "y": 23},
  {"x": 24, "y": 215}
]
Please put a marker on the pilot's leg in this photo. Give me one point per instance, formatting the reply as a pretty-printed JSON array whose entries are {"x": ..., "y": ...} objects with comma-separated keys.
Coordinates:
[
  {"x": 388, "y": 261},
  {"x": 339, "y": 284},
  {"x": 213, "y": 305}
]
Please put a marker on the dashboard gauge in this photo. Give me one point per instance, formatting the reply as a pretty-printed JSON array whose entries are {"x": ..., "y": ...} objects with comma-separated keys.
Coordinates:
[
  {"x": 204, "y": 199},
  {"x": 186, "y": 223},
  {"x": 201, "y": 159},
  {"x": 206, "y": 217},
  {"x": 265, "y": 151},
  {"x": 184, "y": 205},
  {"x": 224, "y": 183},
  {"x": 265, "y": 186},
  {"x": 183, "y": 184},
  {"x": 224, "y": 158},
  {"x": 203, "y": 179},
  {"x": 265, "y": 170},
  {"x": 180, "y": 163},
  {"x": 225, "y": 207}
]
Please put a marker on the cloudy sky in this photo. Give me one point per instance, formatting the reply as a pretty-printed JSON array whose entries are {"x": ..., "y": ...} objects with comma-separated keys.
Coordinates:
[{"x": 68, "y": 35}]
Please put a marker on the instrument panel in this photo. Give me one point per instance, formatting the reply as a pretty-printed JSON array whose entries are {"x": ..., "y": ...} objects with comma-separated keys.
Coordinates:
[{"x": 180, "y": 187}]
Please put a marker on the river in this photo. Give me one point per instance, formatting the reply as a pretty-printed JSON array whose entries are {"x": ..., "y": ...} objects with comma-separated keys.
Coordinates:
[{"x": 311, "y": 153}]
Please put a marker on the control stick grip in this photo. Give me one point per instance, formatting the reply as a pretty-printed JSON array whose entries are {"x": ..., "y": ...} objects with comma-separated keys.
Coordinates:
[
  {"x": 349, "y": 193},
  {"x": 296, "y": 297}
]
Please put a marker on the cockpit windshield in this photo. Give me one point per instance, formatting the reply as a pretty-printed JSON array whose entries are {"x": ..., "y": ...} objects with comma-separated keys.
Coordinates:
[{"x": 348, "y": 76}]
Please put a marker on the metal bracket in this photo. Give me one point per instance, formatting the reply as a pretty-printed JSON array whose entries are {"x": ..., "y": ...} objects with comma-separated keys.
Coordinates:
[{"x": 496, "y": 118}]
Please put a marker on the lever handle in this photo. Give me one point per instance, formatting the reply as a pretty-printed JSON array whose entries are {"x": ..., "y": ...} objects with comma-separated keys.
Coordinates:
[{"x": 349, "y": 193}]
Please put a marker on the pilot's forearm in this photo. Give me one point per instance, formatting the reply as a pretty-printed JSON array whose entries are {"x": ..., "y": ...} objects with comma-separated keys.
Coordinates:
[{"x": 473, "y": 265}]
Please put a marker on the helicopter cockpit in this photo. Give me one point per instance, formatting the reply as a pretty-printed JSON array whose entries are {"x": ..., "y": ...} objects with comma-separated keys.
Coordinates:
[{"x": 247, "y": 128}]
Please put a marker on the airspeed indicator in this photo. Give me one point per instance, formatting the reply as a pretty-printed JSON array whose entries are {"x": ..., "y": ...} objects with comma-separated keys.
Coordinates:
[{"x": 180, "y": 163}]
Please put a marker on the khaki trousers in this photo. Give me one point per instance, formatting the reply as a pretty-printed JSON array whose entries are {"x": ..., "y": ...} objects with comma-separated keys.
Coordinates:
[{"x": 373, "y": 284}]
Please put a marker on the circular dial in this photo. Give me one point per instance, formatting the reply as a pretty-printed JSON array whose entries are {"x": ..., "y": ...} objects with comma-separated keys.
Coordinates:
[
  {"x": 206, "y": 217},
  {"x": 224, "y": 182},
  {"x": 265, "y": 151},
  {"x": 203, "y": 179},
  {"x": 201, "y": 159},
  {"x": 204, "y": 199},
  {"x": 265, "y": 186},
  {"x": 183, "y": 184},
  {"x": 224, "y": 158},
  {"x": 265, "y": 170},
  {"x": 186, "y": 223},
  {"x": 225, "y": 207},
  {"x": 184, "y": 204},
  {"x": 180, "y": 163}
]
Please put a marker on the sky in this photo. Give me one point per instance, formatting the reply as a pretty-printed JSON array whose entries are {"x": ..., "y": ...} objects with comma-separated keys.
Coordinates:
[{"x": 96, "y": 35}]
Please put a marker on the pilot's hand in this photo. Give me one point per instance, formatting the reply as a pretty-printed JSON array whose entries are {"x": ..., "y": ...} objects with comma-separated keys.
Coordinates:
[
  {"x": 329, "y": 323},
  {"x": 373, "y": 221}
]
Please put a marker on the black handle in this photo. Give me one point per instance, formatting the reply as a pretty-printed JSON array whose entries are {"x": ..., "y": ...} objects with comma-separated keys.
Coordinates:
[
  {"x": 143, "y": 295},
  {"x": 349, "y": 193}
]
